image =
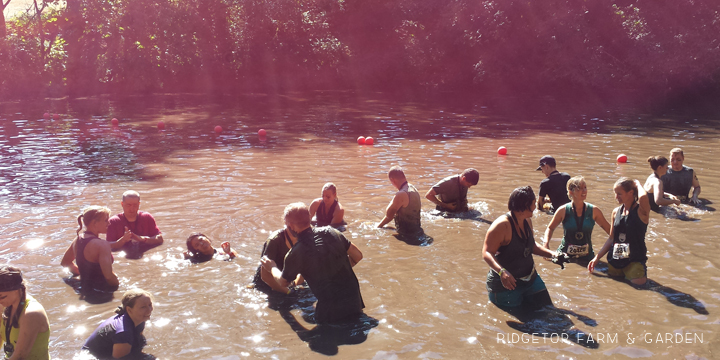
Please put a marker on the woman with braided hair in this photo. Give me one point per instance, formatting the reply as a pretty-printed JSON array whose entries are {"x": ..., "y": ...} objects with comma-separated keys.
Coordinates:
[{"x": 25, "y": 329}]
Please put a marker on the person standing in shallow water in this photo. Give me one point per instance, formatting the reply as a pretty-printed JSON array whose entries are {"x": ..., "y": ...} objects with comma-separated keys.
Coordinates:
[
  {"x": 554, "y": 185},
  {"x": 405, "y": 205},
  {"x": 452, "y": 191},
  {"x": 122, "y": 334},
  {"x": 625, "y": 247},
  {"x": 679, "y": 179},
  {"x": 654, "y": 186},
  {"x": 509, "y": 247},
  {"x": 578, "y": 218},
  {"x": 327, "y": 209},
  {"x": 275, "y": 248},
  {"x": 93, "y": 255},
  {"x": 325, "y": 259},
  {"x": 25, "y": 329},
  {"x": 133, "y": 226}
]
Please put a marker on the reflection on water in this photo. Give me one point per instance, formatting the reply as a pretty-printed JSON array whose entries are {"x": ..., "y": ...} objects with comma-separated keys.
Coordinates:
[{"x": 425, "y": 302}]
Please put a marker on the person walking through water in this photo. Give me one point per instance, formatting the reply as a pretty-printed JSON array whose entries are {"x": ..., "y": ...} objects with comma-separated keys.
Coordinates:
[
  {"x": 405, "y": 206},
  {"x": 578, "y": 218},
  {"x": 625, "y": 247}
]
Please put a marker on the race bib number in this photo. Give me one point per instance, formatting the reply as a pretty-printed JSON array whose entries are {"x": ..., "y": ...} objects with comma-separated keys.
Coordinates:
[
  {"x": 621, "y": 251},
  {"x": 577, "y": 250}
]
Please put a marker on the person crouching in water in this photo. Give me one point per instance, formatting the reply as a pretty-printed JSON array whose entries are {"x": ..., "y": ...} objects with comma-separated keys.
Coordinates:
[
  {"x": 325, "y": 259},
  {"x": 509, "y": 248},
  {"x": 200, "y": 249},
  {"x": 122, "y": 334},
  {"x": 327, "y": 209}
]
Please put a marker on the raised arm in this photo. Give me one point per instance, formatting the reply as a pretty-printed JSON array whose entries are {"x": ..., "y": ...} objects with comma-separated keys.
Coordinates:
[
  {"x": 644, "y": 202},
  {"x": 556, "y": 220}
]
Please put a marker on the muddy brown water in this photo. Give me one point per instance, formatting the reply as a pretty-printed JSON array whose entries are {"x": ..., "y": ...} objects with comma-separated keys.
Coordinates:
[{"x": 429, "y": 302}]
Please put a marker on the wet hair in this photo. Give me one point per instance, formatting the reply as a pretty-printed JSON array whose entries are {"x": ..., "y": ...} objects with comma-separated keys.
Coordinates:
[
  {"x": 130, "y": 298},
  {"x": 574, "y": 183},
  {"x": 297, "y": 214},
  {"x": 330, "y": 186},
  {"x": 131, "y": 194},
  {"x": 197, "y": 256},
  {"x": 91, "y": 214},
  {"x": 471, "y": 175},
  {"x": 521, "y": 199},
  {"x": 657, "y": 161},
  {"x": 677, "y": 151},
  {"x": 11, "y": 279},
  {"x": 627, "y": 184},
  {"x": 396, "y": 172}
]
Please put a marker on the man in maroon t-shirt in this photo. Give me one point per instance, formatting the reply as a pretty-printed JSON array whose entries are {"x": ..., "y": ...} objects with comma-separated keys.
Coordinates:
[{"x": 132, "y": 225}]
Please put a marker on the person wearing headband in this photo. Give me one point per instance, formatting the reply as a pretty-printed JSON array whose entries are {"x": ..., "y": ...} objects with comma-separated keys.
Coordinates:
[
  {"x": 122, "y": 334},
  {"x": 25, "y": 329}
]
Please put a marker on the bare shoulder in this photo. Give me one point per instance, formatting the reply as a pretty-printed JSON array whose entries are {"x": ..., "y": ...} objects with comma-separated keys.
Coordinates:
[
  {"x": 34, "y": 315},
  {"x": 315, "y": 202},
  {"x": 339, "y": 207}
]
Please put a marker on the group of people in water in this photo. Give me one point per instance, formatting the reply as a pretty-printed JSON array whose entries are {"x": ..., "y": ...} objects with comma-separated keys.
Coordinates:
[{"x": 323, "y": 258}]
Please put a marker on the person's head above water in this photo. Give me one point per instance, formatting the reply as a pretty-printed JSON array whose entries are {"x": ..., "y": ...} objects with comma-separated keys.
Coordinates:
[
  {"x": 522, "y": 199},
  {"x": 12, "y": 292},
  {"x": 677, "y": 157},
  {"x": 625, "y": 190},
  {"x": 95, "y": 219},
  {"x": 469, "y": 177},
  {"x": 200, "y": 246},
  {"x": 576, "y": 186},
  {"x": 397, "y": 176},
  {"x": 296, "y": 217},
  {"x": 130, "y": 204},
  {"x": 658, "y": 162},
  {"x": 547, "y": 165},
  {"x": 138, "y": 304},
  {"x": 329, "y": 193}
]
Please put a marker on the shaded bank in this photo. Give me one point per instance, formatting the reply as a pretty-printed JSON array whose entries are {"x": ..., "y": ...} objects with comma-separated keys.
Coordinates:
[{"x": 646, "y": 54}]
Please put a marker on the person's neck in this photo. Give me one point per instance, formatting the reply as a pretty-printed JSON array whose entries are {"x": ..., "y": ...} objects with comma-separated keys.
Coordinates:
[
  {"x": 292, "y": 239},
  {"x": 520, "y": 217},
  {"x": 629, "y": 204},
  {"x": 135, "y": 322},
  {"x": 131, "y": 217},
  {"x": 578, "y": 204},
  {"x": 400, "y": 183},
  {"x": 91, "y": 231}
]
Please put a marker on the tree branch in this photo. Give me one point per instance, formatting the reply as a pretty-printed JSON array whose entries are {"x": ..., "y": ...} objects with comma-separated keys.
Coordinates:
[{"x": 5, "y": 4}]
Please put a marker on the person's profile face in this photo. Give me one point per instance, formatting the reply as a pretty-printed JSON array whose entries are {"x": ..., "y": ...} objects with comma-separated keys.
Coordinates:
[
  {"x": 101, "y": 224},
  {"x": 545, "y": 168},
  {"x": 676, "y": 160},
  {"x": 464, "y": 182},
  {"x": 130, "y": 205},
  {"x": 621, "y": 195},
  {"x": 7, "y": 298}
]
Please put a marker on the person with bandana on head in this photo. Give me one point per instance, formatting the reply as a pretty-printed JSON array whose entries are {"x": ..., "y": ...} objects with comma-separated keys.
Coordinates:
[{"x": 25, "y": 328}]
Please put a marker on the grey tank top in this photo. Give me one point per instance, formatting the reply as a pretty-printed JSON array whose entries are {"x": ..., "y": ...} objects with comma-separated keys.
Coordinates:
[{"x": 407, "y": 219}]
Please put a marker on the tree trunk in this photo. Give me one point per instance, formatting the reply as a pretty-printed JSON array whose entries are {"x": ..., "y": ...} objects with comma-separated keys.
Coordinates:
[{"x": 3, "y": 26}]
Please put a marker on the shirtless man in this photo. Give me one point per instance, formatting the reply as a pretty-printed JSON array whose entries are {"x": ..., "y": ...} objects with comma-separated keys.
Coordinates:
[
  {"x": 679, "y": 179},
  {"x": 405, "y": 205}
]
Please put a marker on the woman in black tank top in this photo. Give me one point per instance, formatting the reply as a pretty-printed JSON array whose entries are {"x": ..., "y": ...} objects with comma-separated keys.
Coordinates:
[
  {"x": 625, "y": 246},
  {"x": 327, "y": 209},
  {"x": 654, "y": 186}
]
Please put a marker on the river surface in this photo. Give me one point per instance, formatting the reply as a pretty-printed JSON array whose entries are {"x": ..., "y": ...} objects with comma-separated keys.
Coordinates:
[{"x": 428, "y": 302}]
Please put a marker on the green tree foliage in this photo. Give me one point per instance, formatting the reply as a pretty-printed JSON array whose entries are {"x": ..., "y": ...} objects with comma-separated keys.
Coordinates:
[{"x": 554, "y": 47}]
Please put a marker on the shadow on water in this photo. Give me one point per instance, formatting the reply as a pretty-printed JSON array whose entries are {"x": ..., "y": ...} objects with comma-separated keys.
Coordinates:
[
  {"x": 552, "y": 322},
  {"x": 673, "y": 296},
  {"x": 92, "y": 296},
  {"x": 418, "y": 239}
]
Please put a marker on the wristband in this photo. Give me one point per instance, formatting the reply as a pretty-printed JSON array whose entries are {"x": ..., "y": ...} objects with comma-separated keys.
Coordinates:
[{"x": 501, "y": 271}]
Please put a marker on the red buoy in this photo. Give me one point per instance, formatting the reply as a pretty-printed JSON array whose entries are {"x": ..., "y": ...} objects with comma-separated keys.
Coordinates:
[
  {"x": 262, "y": 133},
  {"x": 46, "y": 116},
  {"x": 502, "y": 150},
  {"x": 218, "y": 129},
  {"x": 56, "y": 116},
  {"x": 161, "y": 125},
  {"x": 369, "y": 141},
  {"x": 622, "y": 158},
  {"x": 115, "y": 122},
  {"x": 361, "y": 141}
]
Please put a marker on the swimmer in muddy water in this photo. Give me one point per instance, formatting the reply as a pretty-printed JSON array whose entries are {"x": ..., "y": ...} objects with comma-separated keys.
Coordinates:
[
  {"x": 92, "y": 254},
  {"x": 509, "y": 247},
  {"x": 200, "y": 249},
  {"x": 327, "y": 209},
  {"x": 679, "y": 179},
  {"x": 654, "y": 187},
  {"x": 578, "y": 218},
  {"x": 121, "y": 336},
  {"x": 450, "y": 193},
  {"x": 625, "y": 247}
]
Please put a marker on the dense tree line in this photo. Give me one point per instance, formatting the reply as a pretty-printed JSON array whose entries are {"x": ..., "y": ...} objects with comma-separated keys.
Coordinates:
[{"x": 552, "y": 47}]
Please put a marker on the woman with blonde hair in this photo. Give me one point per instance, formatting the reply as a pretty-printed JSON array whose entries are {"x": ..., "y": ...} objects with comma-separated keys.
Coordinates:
[
  {"x": 92, "y": 254},
  {"x": 25, "y": 329},
  {"x": 578, "y": 218},
  {"x": 122, "y": 334},
  {"x": 327, "y": 209}
]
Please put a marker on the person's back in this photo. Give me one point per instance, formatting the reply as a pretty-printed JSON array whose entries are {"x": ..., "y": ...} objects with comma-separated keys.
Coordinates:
[
  {"x": 320, "y": 255},
  {"x": 407, "y": 219},
  {"x": 87, "y": 255}
]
